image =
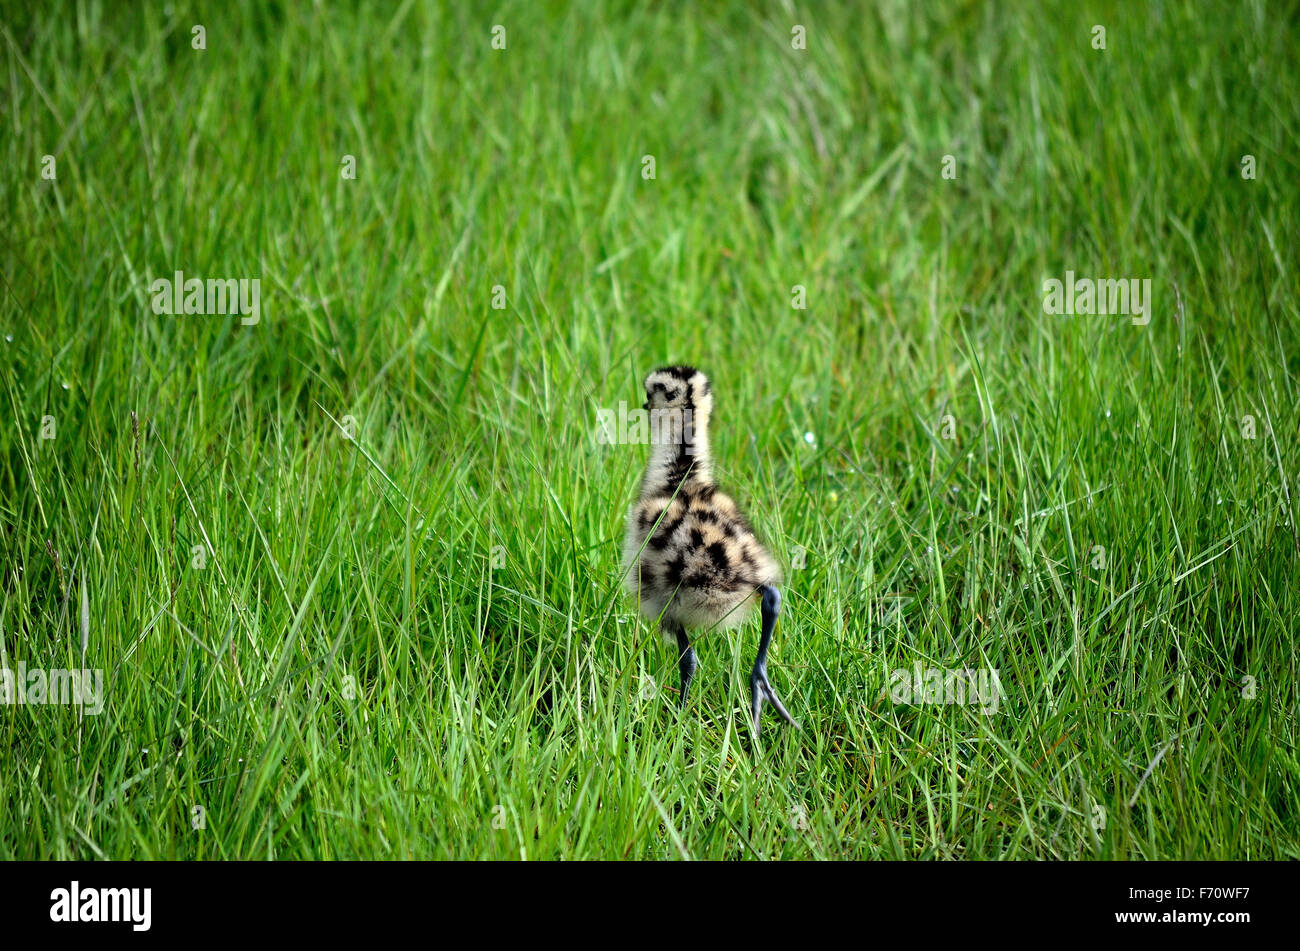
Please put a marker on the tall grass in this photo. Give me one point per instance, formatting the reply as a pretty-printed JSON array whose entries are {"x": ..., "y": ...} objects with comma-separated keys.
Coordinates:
[{"x": 413, "y": 642}]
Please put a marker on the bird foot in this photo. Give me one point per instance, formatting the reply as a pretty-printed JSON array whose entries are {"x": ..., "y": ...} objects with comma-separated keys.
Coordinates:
[{"x": 760, "y": 689}]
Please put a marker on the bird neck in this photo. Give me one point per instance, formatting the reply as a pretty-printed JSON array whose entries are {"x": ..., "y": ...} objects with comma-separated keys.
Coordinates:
[{"x": 679, "y": 451}]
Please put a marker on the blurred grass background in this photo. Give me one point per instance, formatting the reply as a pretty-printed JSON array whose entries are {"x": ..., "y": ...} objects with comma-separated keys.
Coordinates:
[{"x": 414, "y": 644}]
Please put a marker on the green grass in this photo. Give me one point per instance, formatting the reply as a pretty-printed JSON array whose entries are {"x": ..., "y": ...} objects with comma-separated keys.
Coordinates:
[{"x": 358, "y": 670}]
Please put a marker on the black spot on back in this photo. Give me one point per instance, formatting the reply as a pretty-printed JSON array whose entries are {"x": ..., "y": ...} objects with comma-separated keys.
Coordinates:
[
  {"x": 700, "y": 492},
  {"x": 659, "y": 540},
  {"x": 673, "y": 573}
]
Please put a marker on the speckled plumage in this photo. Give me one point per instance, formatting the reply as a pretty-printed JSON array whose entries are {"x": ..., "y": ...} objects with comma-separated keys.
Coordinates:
[
  {"x": 691, "y": 558},
  {"x": 701, "y": 565}
]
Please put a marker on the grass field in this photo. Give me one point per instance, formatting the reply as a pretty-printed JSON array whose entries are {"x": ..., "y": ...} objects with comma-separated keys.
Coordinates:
[{"x": 351, "y": 572}]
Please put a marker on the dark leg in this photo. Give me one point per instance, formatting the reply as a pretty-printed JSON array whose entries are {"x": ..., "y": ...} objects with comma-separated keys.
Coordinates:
[
  {"x": 760, "y": 687},
  {"x": 686, "y": 660}
]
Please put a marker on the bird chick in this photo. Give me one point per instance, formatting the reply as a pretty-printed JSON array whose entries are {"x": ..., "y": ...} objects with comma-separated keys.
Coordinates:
[{"x": 690, "y": 556}]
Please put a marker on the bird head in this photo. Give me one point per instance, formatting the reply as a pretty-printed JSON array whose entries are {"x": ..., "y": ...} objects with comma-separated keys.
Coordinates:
[{"x": 678, "y": 387}]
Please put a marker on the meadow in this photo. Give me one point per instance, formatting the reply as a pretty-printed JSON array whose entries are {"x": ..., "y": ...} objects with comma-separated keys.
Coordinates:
[{"x": 351, "y": 570}]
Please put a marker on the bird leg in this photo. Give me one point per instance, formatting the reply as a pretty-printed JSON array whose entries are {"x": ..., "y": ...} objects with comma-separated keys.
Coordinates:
[
  {"x": 686, "y": 660},
  {"x": 759, "y": 686}
]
